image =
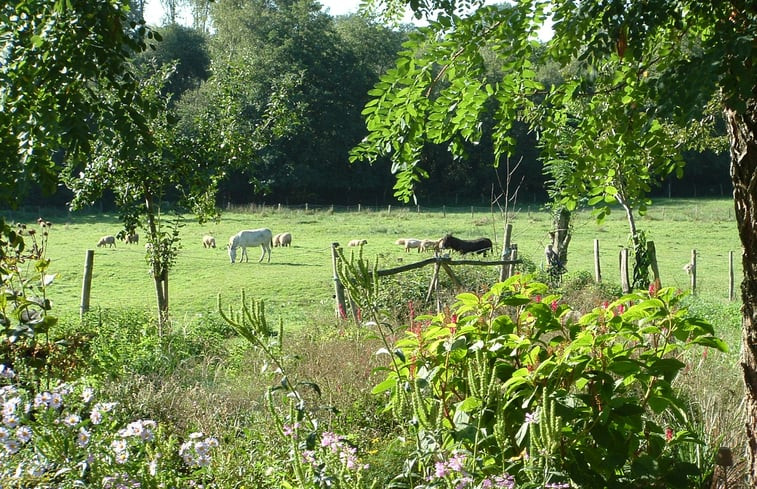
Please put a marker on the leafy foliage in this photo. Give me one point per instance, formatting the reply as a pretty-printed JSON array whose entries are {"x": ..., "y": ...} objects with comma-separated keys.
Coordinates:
[{"x": 508, "y": 378}]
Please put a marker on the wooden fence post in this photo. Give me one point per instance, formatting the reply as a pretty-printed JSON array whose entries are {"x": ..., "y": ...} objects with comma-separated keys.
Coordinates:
[
  {"x": 597, "y": 268},
  {"x": 86, "y": 282},
  {"x": 652, "y": 255},
  {"x": 513, "y": 257},
  {"x": 625, "y": 284},
  {"x": 504, "y": 273},
  {"x": 444, "y": 211},
  {"x": 389, "y": 209},
  {"x": 693, "y": 271},
  {"x": 731, "y": 290},
  {"x": 341, "y": 307}
]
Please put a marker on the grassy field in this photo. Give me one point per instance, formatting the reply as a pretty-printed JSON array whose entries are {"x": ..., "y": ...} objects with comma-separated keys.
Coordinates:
[{"x": 298, "y": 283}]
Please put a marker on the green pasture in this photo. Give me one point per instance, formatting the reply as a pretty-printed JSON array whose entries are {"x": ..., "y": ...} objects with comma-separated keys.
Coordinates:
[{"x": 298, "y": 283}]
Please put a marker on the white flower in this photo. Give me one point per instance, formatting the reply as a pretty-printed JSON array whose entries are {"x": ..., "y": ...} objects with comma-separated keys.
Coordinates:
[
  {"x": 71, "y": 420},
  {"x": 87, "y": 394},
  {"x": 10, "y": 421},
  {"x": 82, "y": 439},
  {"x": 42, "y": 400},
  {"x": 24, "y": 434},
  {"x": 4, "y": 434},
  {"x": 122, "y": 457},
  {"x": 118, "y": 445},
  {"x": 96, "y": 416},
  {"x": 12, "y": 446},
  {"x": 56, "y": 400}
]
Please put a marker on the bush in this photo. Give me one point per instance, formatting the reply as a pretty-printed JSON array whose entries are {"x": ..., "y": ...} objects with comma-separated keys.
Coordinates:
[{"x": 505, "y": 385}]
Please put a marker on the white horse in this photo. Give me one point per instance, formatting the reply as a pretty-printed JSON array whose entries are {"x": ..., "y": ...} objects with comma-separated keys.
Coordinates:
[{"x": 252, "y": 237}]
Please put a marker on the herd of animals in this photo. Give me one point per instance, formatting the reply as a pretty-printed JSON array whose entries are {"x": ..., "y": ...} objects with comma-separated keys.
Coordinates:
[{"x": 264, "y": 238}]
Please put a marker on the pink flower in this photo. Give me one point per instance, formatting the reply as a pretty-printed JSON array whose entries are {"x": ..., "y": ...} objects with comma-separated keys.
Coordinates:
[
  {"x": 668, "y": 434},
  {"x": 554, "y": 306},
  {"x": 653, "y": 287}
]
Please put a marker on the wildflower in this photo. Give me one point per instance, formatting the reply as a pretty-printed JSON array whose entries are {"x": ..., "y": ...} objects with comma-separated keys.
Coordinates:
[
  {"x": 82, "y": 438},
  {"x": 330, "y": 440},
  {"x": 668, "y": 434},
  {"x": 440, "y": 470},
  {"x": 557, "y": 485},
  {"x": 456, "y": 463},
  {"x": 10, "y": 421},
  {"x": 464, "y": 482},
  {"x": 4, "y": 434},
  {"x": 553, "y": 305},
  {"x": 308, "y": 456},
  {"x": 531, "y": 418},
  {"x": 96, "y": 417},
  {"x": 71, "y": 420},
  {"x": 118, "y": 445},
  {"x": 537, "y": 298},
  {"x": 122, "y": 457},
  {"x": 23, "y": 434},
  {"x": 56, "y": 400},
  {"x": 42, "y": 400},
  {"x": 12, "y": 446},
  {"x": 87, "y": 394}
]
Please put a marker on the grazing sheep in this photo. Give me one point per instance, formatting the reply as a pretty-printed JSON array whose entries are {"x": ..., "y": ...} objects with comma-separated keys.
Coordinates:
[
  {"x": 429, "y": 245},
  {"x": 208, "y": 241},
  {"x": 400, "y": 242},
  {"x": 107, "y": 241},
  {"x": 282, "y": 239},
  {"x": 131, "y": 238},
  {"x": 411, "y": 243},
  {"x": 357, "y": 242}
]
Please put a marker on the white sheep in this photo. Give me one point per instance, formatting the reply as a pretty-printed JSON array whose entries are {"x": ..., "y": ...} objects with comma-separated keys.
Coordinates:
[
  {"x": 208, "y": 241},
  {"x": 282, "y": 239},
  {"x": 107, "y": 241},
  {"x": 429, "y": 245},
  {"x": 132, "y": 238},
  {"x": 357, "y": 242},
  {"x": 412, "y": 243}
]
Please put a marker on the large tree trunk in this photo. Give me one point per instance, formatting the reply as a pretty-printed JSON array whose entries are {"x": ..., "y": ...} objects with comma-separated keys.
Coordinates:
[{"x": 743, "y": 135}]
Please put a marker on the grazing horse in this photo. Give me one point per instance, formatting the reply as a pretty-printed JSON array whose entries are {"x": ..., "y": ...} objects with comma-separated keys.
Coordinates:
[
  {"x": 480, "y": 245},
  {"x": 252, "y": 237}
]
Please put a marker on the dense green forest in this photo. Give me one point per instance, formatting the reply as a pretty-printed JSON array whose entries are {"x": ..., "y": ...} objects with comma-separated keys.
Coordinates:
[{"x": 239, "y": 59}]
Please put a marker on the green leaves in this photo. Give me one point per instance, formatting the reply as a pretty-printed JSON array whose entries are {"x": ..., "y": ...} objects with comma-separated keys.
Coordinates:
[{"x": 505, "y": 363}]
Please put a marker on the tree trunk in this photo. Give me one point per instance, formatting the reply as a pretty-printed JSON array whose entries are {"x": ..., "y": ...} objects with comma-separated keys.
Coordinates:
[
  {"x": 159, "y": 271},
  {"x": 742, "y": 130},
  {"x": 561, "y": 234}
]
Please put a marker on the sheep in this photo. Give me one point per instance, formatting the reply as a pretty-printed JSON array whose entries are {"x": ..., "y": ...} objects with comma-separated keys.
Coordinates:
[
  {"x": 282, "y": 239},
  {"x": 131, "y": 238},
  {"x": 107, "y": 241},
  {"x": 400, "y": 242},
  {"x": 429, "y": 245},
  {"x": 357, "y": 242},
  {"x": 412, "y": 243},
  {"x": 208, "y": 241}
]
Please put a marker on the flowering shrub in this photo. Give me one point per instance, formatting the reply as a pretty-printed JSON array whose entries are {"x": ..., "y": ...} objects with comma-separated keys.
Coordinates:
[
  {"x": 510, "y": 378},
  {"x": 62, "y": 438}
]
